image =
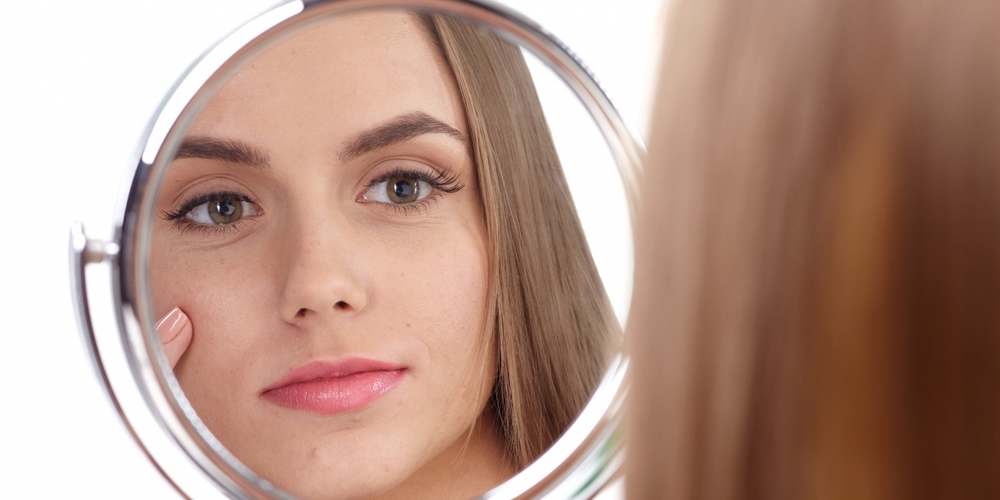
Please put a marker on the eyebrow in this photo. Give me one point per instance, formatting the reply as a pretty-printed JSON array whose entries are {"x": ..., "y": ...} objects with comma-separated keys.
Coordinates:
[
  {"x": 227, "y": 150},
  {"x": 400, "y": 129}
]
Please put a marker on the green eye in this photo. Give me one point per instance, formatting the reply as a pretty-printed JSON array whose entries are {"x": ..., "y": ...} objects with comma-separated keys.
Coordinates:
[
  {"x": 221, "y": 209},
  {"x": 405, "y": 188},
  {"x": 225, "y": 211},
  {"x": 402, "y": 189}
]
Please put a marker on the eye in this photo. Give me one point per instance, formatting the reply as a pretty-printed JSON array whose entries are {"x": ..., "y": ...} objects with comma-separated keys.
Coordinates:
[
  {"x": 221, "y": 210},
  {"x": 398, "y": 189}
]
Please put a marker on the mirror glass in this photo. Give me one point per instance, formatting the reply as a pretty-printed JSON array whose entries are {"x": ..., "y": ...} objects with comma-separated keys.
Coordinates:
[{"x": 389, "y": 255}]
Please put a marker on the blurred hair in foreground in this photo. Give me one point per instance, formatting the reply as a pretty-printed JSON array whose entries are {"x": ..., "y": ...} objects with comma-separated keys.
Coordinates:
[{"x": 817, "y": 294}]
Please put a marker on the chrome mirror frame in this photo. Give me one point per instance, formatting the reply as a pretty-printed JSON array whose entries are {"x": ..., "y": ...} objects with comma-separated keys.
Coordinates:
[{"x": 110, "y": 284}]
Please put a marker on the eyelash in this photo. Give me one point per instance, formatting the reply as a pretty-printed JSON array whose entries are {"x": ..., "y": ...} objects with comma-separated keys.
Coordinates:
[
  {"x": 177, "y": 216},
  {"x": 442, "y": 183}
]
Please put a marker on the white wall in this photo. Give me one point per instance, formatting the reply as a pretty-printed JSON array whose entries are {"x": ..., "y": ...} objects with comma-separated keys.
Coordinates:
[{"x": 78, "y": 82}]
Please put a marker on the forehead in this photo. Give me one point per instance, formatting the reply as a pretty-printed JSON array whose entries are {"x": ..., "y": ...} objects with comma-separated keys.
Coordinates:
[{"x": 334, "y": 79}]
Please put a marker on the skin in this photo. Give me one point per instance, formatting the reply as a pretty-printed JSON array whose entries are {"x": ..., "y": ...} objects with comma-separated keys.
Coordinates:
[{"x": 318, "y": 270}]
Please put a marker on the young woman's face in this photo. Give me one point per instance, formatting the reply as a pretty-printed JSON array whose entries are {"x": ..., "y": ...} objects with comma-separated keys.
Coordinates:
[{"x": 322, "y": 228}]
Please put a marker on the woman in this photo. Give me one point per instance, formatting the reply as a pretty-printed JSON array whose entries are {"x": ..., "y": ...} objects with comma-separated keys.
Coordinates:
[
  {"x": 367, "y": 238},
  {"x": 818, "y": 268}
]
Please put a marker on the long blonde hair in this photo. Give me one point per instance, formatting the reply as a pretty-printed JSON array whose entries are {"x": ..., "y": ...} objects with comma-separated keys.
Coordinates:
[
  {"x": 548, "y": 313},
  {"x": 817, "y": 294}
]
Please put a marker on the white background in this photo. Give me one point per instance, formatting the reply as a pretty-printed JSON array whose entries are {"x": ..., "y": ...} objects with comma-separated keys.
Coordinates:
[{"x": 78, "y": 82}]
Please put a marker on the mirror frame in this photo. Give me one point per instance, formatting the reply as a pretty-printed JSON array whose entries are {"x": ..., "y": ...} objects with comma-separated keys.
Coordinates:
[{"x": 129, "y": 360}]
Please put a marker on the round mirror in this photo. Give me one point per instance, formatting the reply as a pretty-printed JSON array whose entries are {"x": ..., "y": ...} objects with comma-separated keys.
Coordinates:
[{"x": 373, "y": 250}]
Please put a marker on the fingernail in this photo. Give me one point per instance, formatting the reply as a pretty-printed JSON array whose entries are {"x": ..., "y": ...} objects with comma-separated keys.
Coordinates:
[{"x": 171, "y": 325}]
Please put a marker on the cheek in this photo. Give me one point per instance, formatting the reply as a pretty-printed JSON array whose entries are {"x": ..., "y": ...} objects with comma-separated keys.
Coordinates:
[
  {"x": 222, "y": 292},
  {"x": 439, "y": 295},
  {"x": 437, "y": 287}
]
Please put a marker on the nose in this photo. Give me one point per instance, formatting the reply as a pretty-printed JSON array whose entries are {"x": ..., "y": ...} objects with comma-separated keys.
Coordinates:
[{"x": 322, "y": 280}]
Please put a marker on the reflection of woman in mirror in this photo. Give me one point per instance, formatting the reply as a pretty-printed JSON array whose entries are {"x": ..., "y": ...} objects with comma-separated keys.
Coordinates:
[
  {"x": 367, "y": 240},
  {"x": 818, "y": 256}
]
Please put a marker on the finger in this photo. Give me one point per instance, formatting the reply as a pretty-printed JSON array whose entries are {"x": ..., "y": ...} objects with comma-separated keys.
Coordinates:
[{"x": 175, "y": 331}]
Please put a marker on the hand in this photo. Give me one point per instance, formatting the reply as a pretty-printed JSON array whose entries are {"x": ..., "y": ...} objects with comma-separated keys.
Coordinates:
[{"x": 175, "y": 332}]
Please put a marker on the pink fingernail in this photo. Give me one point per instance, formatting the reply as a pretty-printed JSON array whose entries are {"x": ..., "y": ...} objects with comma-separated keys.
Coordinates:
[{"x": 171, "y": 325}]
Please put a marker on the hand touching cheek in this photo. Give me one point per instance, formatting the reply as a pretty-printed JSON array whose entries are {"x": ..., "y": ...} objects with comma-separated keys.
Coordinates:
[{"x": 175, "y": 332}]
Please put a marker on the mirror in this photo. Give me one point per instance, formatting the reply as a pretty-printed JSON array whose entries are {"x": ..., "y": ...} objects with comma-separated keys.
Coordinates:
[{"x": 381, "y": 253}]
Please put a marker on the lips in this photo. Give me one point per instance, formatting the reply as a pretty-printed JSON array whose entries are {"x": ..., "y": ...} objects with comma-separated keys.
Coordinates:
[{"x": 329, "y": 388}]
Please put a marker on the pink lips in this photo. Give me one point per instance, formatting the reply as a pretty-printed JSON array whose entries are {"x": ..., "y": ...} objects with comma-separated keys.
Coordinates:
[{"x": 328, "y": 388}]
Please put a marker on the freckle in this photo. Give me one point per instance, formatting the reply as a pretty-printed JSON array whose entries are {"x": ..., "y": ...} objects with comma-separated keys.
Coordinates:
[{"x": 407, "y": 325}]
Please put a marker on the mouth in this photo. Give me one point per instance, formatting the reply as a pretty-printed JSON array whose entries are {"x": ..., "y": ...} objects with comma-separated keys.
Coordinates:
[{"x": 329, "y": 388}]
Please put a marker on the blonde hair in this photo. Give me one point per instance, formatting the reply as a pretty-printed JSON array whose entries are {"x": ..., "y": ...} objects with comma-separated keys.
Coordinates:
[
  {"x": 548, "y": 313},
  {"x": 817, "y": 292}
]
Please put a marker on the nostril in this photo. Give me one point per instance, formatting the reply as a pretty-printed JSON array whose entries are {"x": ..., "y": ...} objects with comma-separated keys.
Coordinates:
[
  {"x": 341, "y": 305},
  {"x": 301, "y": 313}
]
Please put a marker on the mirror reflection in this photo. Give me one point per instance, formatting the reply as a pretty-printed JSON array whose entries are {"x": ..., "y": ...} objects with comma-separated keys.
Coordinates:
[{"x": 368, "y": 269}]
